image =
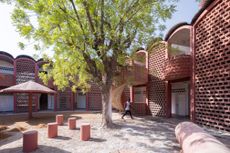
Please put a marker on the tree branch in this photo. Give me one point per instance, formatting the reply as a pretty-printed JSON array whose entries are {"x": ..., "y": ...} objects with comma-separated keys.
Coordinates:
[
  {"x": 78, "y": 17},
  {"x": 102, "y": 22},
  {"x": 86, "y": 6}
]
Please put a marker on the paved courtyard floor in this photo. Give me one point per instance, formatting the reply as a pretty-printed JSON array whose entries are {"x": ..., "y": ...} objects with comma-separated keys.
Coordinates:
[{"x": 141, "y": 135}]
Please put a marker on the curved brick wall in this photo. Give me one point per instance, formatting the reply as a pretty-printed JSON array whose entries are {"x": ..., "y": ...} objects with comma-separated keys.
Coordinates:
[
  {"x": 178, "y": 67},
  {"x": 212, "y": 67},
  {"x": 156, "y": 84}
]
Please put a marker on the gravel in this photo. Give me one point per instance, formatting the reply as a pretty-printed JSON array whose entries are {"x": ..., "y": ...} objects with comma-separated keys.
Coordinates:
[{"x": 141, "y": 135}]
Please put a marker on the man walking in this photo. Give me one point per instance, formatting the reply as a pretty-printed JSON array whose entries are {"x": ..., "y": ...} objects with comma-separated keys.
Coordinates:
[{"x": 127, "y": 109}]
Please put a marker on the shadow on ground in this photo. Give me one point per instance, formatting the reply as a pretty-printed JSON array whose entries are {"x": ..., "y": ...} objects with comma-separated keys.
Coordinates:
[
  {"x": 41, "y": 148},
  {"x": 158, "y": 133}
]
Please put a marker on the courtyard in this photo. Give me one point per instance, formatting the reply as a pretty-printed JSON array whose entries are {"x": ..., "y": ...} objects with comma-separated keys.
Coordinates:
[{"x": 143, "y": 134}]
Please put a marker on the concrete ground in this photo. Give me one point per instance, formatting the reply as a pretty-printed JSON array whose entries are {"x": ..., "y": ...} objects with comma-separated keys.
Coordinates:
[{"x": 143, "y": 134}]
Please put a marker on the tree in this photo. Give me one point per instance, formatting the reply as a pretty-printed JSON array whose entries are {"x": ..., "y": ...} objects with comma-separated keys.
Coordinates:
[{"x": 90, "y": 38}]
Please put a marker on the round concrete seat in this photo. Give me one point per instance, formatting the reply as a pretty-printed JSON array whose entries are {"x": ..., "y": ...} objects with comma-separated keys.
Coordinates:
[
  {"x": 59, "y": 119},
  {"x": 85, "y": 132},
  {"x": 193, "y": 139},
  {"x": 30, "y": 141},
  {"x": 52, "y": 130},
  {"x": 72, "y": 123}
]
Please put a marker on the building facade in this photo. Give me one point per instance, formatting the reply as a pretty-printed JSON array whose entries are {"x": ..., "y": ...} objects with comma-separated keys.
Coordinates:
[
  {"x": 24, "y": 68},
  {"x": 189, "y": 72},
  {"x": 186, "y": 74}
]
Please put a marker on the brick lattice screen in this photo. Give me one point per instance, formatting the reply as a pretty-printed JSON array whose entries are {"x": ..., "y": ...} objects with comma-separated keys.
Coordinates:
[
  {"x": 212, "y": 70},
  {"x": 94, "y": 98},
  {"x": 156, "y": 84},
  {"x": 25, "y": 71},
  {"x": 64, "y": 100}
]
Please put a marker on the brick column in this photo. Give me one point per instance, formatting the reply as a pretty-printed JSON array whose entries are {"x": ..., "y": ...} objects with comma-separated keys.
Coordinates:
[{"x": 168, "y": 99}]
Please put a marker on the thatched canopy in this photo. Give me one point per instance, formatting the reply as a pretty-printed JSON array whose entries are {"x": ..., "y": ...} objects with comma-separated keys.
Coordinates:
[{"x": 28, "y": 87}]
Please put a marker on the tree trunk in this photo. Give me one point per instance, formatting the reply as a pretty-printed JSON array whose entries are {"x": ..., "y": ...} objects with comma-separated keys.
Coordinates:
[{"x": 106, "y": 107}]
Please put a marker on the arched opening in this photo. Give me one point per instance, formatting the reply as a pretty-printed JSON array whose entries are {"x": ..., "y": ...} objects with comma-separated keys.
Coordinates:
[
  {"x": 177, "y": 72},
  {"x": 179, "y": 43}
]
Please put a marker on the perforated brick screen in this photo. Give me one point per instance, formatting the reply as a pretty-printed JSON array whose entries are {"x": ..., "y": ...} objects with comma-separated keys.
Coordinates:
[
  {"x": 25, "y": 71},
  {"x": 212, "y": 70},
  {"x": 64, "y": 99},
  {"x": 156, "y": 84},
  {"x": 94, "y": 98}
]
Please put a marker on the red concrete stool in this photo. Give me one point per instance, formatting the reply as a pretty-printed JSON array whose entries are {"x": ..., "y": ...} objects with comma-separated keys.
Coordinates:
[
  {"x": 59, "y": 119},
  {"x": 85, "y": 132},
  {"x": 30, "y": 141},
  {"x": 52, "y": 130},
  {"x": 72, "y": 123}
]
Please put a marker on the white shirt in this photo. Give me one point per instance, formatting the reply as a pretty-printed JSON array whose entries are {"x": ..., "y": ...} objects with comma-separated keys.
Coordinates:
[{"x": 127, "y": 105}]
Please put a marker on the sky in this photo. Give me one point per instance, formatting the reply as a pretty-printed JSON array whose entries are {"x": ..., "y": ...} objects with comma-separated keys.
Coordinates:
[{"x": 9, "y": 37}]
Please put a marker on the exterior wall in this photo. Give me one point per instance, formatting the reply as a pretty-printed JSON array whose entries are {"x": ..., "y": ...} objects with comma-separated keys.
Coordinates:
[
  {"x": 212, "y": 66},
  {"x": 94, "y": 98},
  {"x": 6, "y": 80},
  {"x": 156, "y": 84},
  {"x": 64, "y": 101},
  {"x": 6, "y": 73},
  {"x": 178, "y": 67}
]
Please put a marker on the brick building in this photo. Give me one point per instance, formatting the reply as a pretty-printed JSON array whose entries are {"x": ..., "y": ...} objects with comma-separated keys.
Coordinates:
[
  {"x": 187, "y": 74},
  {"x": 23, "y": 68}
]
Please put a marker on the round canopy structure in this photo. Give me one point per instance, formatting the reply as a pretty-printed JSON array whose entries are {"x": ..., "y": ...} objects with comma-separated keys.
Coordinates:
[{"x": 29, "y": 87}]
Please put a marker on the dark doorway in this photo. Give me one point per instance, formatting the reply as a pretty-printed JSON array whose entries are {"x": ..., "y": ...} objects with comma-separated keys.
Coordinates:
[{"x": 43, "y": 102}]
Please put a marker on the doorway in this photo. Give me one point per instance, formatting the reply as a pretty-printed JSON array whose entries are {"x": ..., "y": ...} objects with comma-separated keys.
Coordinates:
[
  {"x": 43, "y": 101},
  {"x": 180, "y": 99},
  {"x": 80, "y": 100}
]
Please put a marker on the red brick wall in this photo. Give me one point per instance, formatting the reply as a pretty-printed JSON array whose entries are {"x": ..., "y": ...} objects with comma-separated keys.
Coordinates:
[
  {"x": 212, "y": 69},
  {"x": 178, "y": 67},
  {"x": 6, "y": 80},
  {"x": 94, "y": 98},
  {"x": 64, "y": 100},
  {"x": 156, "y": 84}
]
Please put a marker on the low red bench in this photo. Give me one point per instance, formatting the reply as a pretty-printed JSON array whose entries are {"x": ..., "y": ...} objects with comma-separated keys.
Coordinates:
[
  {"x": 59, "y": 119},
  {"x": 52, "y": 130},
  {"x": 193, "y": 139},
  {"x": 30, "y": 141},
  {"x": 85, "y": 131},
  {"x": 72, "y": 123}
]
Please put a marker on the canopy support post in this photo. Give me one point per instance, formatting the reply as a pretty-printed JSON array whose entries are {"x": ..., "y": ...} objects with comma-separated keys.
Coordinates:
[{"x": 30, "y": 105}]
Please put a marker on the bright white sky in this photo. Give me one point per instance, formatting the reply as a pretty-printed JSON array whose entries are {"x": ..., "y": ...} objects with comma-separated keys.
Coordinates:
[{"x": 9, "y": 38}]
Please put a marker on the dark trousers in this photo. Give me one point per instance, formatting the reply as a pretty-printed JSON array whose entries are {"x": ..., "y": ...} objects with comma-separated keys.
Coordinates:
[{"x": 127, "y": 112}]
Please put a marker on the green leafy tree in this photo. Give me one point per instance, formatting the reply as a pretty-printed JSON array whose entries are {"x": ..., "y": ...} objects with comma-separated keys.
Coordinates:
[{"x": 90, "y": 38}]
